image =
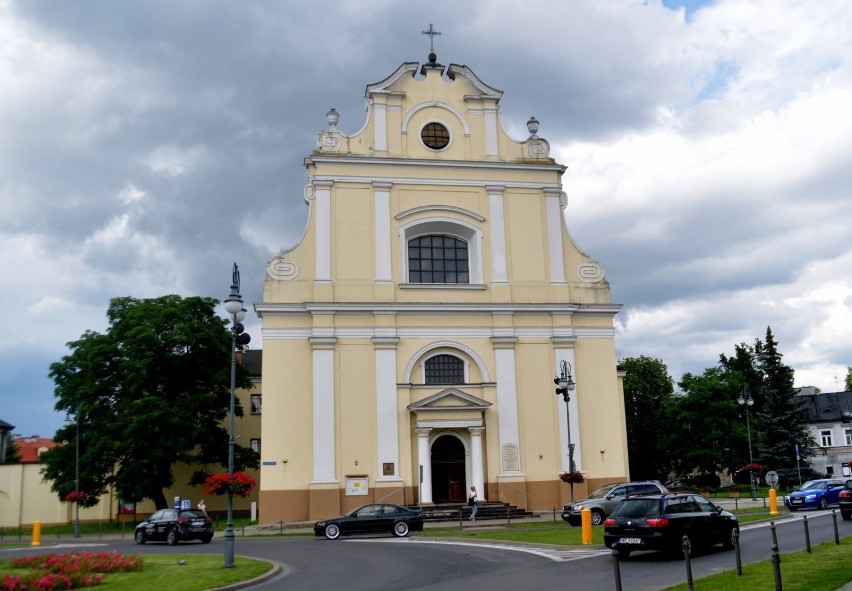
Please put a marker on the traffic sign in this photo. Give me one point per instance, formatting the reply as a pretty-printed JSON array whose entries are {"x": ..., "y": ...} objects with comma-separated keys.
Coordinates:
[{"x": 772, "y": 478}]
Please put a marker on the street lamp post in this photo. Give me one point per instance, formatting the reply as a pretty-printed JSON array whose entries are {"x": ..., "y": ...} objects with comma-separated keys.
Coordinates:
[
  {"x": 565, "y": 384},
  {"x": 746, "y": 400},
  {"x": 234, "y": 307},
  {"x": 76, "y": 470}
]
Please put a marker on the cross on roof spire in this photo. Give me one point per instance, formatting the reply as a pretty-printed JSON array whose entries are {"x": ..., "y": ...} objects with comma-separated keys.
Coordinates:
[{"x": 432, "y": 34}]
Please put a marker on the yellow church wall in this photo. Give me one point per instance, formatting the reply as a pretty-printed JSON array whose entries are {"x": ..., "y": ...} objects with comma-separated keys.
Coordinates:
[
  {"x": 356, "y": 413},
  {"x": 352, "y": 235},
  {"x": 526, "y": 243},
  {"x": 287, "y": 408}
]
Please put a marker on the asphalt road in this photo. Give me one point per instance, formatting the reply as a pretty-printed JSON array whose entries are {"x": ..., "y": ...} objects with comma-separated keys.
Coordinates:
[{"x": 386, "y": 563}]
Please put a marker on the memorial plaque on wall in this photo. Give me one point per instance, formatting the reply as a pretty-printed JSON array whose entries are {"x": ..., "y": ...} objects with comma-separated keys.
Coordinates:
[
  {"x": 387, "y": 469},
  {"x": 511, "y": 462}
]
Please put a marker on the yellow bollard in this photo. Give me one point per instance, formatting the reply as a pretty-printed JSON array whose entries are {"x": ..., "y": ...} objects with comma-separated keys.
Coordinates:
[
  {"x": 36, "y": 534},
  {"x": 773, "y": 502},
  {"x": 586, "y": 526}
]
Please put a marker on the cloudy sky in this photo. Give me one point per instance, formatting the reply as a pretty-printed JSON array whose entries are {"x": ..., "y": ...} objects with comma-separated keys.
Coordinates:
[{"x": 146, "y": 146}]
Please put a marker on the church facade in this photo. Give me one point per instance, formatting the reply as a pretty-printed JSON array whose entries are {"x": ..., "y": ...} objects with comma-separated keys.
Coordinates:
[{"x": 412, "y": 336}]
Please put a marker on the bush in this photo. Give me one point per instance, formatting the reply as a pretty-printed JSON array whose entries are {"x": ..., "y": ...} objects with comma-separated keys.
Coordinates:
[{"x": 707, "y": 481}]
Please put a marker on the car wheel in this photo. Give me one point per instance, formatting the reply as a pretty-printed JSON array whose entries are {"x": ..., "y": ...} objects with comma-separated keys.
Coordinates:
[
  {"x": 597, "y": 517},
  {"x": 140, "y": 537},
  {"x": 172, "y": 537},
  {"x": 823, "y": 503},
  {"x": 332, "y": 531},
  {"x": 206, "y": 539},
  {"x": 400, "y": 529},
  {"x": 793, "y": 508},
  {"x": 846, "y": 515},
  {"x": 728, "y": 544}
]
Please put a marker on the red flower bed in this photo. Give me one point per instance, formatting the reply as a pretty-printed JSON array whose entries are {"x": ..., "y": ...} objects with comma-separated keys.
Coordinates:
[
  {"x": 74, "y": 570},
  {"x": 239, "y": 485}
]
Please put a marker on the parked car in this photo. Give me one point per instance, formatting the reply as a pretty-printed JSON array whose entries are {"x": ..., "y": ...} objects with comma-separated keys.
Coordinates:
[
  {"x": 660, "y": 522},
  {"x": 604, "y": 500},
  {"x": 844, "y": 499},
  {"x": 174, "y": 525},
  {"x": 368, "y": 519},
  {"x": 815, "y": 493}
]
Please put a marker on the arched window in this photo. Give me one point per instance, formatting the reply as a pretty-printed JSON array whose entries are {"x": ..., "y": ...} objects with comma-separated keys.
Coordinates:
[
  {"x": 438, "y": 259},
  {"x": 444, "y": 369}
]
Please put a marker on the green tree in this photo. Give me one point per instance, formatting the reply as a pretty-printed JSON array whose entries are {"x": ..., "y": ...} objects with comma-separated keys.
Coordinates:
[
  {"x": 848, "y": 384},
  {"x": 648, "y": 393},
  {"x": 151, "y": 391},
  {"x": 706, "y": 418},
  {"x": 13, "y": 454},
  {"x": 783, "y": 419}
]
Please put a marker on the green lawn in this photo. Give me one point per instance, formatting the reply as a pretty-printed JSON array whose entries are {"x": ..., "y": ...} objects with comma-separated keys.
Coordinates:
[
  {"x": 199, "y": 572},
  {"x": 827, "y": 568}
]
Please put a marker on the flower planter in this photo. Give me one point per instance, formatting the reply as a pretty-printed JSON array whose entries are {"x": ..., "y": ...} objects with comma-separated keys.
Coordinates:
[
  {"x": 734, "y": 494},
  {"x": 238, "y": 485},
  {"x": 572, "y": 477}
]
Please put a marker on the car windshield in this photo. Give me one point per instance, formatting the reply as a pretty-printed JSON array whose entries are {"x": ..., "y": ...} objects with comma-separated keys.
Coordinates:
[
  {"x": 813, "y": 485},
  {"x": 637, "y": 508},
  {"x": 602, "y": 492},
  {"x": 193, "y": 514}
]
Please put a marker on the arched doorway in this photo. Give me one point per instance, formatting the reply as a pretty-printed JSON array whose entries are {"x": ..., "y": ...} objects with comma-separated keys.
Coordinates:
[{"x": 448, "y": 470}]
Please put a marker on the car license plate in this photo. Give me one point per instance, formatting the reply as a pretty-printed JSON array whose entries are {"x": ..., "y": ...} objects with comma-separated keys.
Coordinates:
[
  {"x": 629, "y": 540},
  {"x": 198, "y": 523},
  {"x": 797, "y": 501}
]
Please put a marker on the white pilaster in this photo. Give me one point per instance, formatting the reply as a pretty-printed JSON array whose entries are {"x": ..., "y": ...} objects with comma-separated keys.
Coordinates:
[
  {"x": 497, "y": 228},
  {"x": 568, "y": 355},
  {"x": 424, "y": 458},
  {"x": 380, "y": 129},
  {"x": 383, "y": 235},
  {"x": 554, "y": 234},
  {"x": 387, "y": 425},
  {"x": 476, "y": 461},
  {"x": 323, "y": 414},
  {"x": 322, "y": 192},
  {"x": 491, "y": 132},
  {"x": 507, "y": 402}
]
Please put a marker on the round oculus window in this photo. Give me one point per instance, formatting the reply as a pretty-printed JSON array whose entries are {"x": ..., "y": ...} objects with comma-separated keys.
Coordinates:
[{"x": 435, "y": 136}]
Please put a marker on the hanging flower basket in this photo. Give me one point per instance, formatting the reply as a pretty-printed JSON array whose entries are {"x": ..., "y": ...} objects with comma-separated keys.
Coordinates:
[
  {"x": 239, "y": 485},
  {"x": 572, "y": 477},
  {"x": 76, "y": 496},
  {"x": 754, "y": 468}
]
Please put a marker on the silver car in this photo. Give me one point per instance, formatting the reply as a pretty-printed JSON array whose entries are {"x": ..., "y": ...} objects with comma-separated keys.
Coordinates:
[{"x": 603, "y": 501}]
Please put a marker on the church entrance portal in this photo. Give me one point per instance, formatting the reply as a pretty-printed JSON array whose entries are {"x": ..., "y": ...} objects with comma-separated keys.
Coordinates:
[{"x": 448, "y": 470}]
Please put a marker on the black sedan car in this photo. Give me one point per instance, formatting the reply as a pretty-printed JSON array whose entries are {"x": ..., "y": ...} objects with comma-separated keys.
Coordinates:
[
  {"x": 659, "y": 522},
  {"x": 173, "y": 525},
  {"x": 368, "y": 519},
  {"x": 845, "y": 501}
]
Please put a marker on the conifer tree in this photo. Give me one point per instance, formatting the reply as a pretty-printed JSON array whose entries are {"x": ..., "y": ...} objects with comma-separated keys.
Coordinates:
[{"x": 783, "y": 419}]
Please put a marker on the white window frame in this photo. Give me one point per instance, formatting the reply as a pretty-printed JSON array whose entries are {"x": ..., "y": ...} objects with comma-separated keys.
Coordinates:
[
  {"x": 259, "y": 404},
  {"x": 848, "y": 433},
  {"x": 254, "y": 443},
  {"x": 447, "y": 227},
  {"x": 825, "y": 438}
]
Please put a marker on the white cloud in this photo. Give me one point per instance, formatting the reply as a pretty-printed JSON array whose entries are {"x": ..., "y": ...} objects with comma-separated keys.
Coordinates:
[{"x": 175, "y": 161}]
